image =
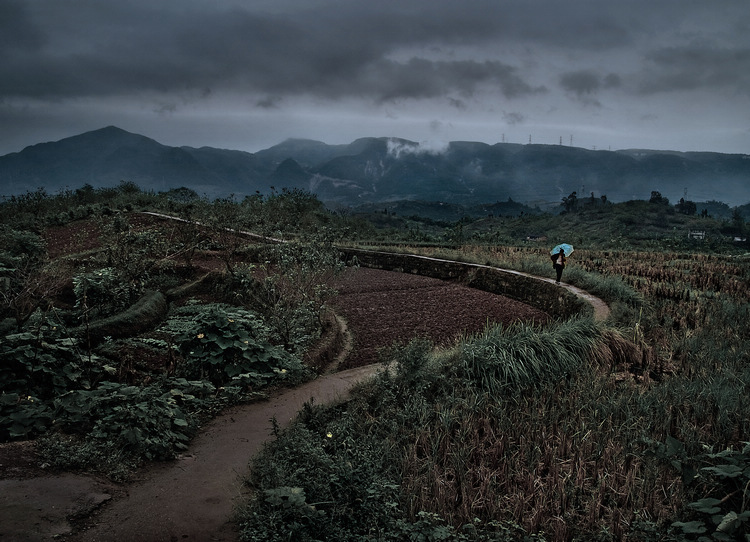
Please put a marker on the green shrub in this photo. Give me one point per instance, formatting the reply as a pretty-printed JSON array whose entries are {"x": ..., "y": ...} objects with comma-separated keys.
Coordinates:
[
  {"x": 316, "y": 482},
  {"x": 291, "y": 287},
  {"x": 23, "y": 285},
  {"x": 224, "y": 344},
  {"x": 149, "y": 422},
  {"x": 100, "y": 293},
  {"x": 34, "y": 369},
  {"x": 44, "y": 365},
  {"x": 25, "y": 245},
  {"x": 721, "y": 513},
  {"x": 23, "y": 416}
]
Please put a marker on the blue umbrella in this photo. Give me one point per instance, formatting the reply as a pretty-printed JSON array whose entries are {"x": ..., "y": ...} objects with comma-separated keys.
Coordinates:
[{"x": 566, "y": 248}]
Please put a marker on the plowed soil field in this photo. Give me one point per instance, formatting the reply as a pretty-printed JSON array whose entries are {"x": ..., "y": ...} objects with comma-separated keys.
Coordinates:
[{"x": 386, "y": 307}]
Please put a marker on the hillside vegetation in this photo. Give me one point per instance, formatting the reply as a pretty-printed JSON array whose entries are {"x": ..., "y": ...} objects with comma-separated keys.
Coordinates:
[
  {"x": 631, "y": 429},
  {"x": 380, "y": 170}
]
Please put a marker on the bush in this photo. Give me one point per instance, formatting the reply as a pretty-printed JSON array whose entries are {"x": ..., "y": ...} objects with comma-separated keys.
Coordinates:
[
  {"x": 316, "y": 482},
  {"x": 100, "y": 293},
  {"x": 144, "y": 421},
  {"x": 224, "y": 344},
  {"x": 43, "y": 366},
  {"x": 291, "y": 287}
]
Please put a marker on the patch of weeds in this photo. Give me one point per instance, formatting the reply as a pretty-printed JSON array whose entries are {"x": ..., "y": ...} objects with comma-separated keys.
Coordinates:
[
  {"x": 72, "y": 453},
  {"x": 322, "y": 480},
  {"x": 145, "y": 421},
  {"x": 722, "y": 513}
]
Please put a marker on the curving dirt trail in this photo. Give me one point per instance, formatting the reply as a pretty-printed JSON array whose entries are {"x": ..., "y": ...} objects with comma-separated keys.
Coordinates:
[{"x": 193, "y": 497}]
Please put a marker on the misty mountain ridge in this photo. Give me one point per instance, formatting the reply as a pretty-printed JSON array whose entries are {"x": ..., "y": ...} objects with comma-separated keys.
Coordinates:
[{"x": 375, "y": 171}]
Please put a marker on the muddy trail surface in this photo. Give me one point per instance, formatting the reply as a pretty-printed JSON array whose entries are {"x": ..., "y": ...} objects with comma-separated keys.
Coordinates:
[{"x": 194, "y": 496}]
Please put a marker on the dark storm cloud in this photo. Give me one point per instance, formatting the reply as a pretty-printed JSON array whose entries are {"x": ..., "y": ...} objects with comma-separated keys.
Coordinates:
[
  {"x": 612, "y": 80},
  {"x": 694, "y": 67},
  {"x": 581, "y": 82},
  {"x": 581, "y": 24},
  {"x": 513, "y": 118},
  {"x": 326, "y": 49},
  {"x": 420, "y": 78},
  {"x": 584, "y": 85},
  {"x": 458, "y": 104},
  {"x": 16, "y": 30},
  {"x": 412, "y": 65}
]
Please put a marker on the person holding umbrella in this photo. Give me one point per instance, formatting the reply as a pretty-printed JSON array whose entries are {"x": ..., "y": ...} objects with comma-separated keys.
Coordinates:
[{"x": 559, "y": 257}]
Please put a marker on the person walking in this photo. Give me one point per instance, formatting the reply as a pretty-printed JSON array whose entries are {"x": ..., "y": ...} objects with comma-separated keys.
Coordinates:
[{"x": 558, "y": 262}]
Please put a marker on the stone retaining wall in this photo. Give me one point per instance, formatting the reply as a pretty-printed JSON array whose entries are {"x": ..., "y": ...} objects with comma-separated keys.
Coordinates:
[{"x": 556, "y": 301}]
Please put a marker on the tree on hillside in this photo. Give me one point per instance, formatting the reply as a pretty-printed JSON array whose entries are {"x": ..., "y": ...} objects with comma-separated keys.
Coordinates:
[
  {"x": 686, "y": 207},
  {"x": 658, "y": 199},
  {"x": 570, "y": 202},
  {"x": 738, "y": 222}
]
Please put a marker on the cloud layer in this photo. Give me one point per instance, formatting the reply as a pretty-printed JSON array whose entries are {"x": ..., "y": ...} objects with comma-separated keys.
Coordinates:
[{"x": 420, "y": 67}]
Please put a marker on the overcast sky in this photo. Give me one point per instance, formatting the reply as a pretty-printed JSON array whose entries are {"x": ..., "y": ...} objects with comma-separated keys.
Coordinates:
[{"x": 247, "y": 74}]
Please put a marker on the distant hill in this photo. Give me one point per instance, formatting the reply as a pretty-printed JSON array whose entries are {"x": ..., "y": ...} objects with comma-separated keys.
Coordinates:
[{"x": 380, "y": 170}]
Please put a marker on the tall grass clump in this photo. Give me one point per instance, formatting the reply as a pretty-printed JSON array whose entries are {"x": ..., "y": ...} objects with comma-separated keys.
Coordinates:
[
  {"x": 610, "y": 288},
  {"x": 522, "y": 355}
]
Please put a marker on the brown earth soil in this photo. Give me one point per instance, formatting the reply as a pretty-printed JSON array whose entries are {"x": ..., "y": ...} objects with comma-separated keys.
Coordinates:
[
  {"x": 382, "y": 308},
  {"x": 192, "y": 497}
]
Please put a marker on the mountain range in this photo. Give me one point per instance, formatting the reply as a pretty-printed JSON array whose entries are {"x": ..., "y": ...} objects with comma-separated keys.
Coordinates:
[{"x": 379, "y": 170}]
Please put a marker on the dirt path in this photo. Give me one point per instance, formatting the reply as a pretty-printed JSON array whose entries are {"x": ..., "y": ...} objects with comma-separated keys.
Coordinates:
[
  {"x": 208, "y": 479},
  {"x": 193, "y": 498}
]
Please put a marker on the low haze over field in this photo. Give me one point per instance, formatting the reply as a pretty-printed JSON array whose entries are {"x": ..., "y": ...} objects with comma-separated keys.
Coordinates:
[{"x": 656, "y": 74}]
